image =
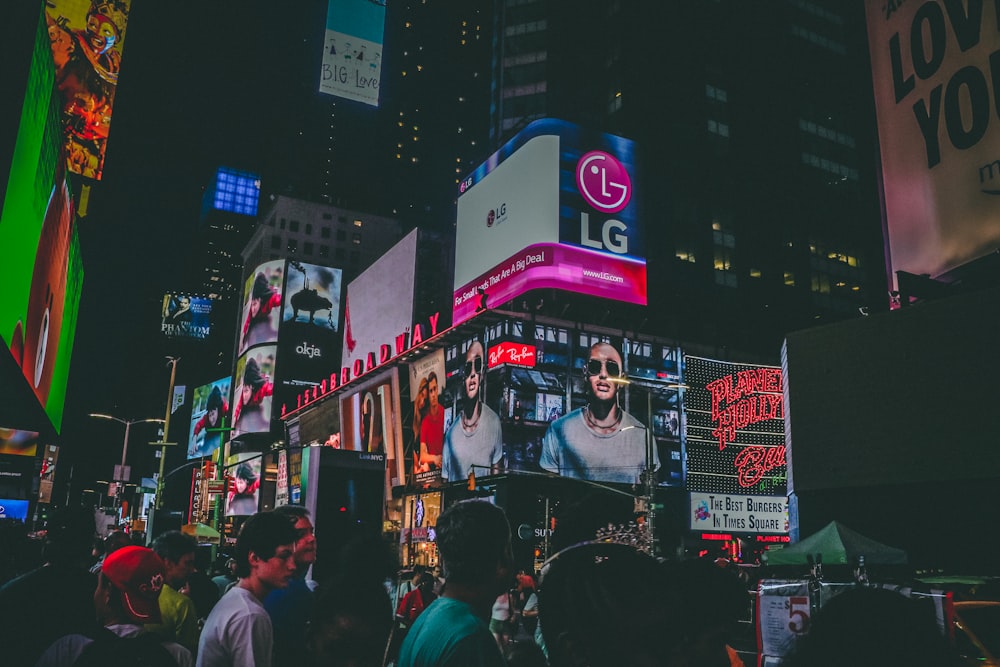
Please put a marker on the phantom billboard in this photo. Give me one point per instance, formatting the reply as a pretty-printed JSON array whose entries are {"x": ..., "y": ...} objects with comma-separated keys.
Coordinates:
[{"x": 186, "y": 316}]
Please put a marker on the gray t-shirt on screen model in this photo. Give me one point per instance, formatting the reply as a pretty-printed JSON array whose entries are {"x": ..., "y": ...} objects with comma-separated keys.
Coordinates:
[
  {"x": 571, "y": 449},
  {"x": 481, "y": 448}
]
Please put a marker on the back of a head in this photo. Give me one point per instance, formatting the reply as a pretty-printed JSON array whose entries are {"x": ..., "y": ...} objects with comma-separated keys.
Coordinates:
[
  {"x": 69, "y": 533},
  {"x": 607, "y": 604},
  {"x": 351, "y": 622},
  {"x": 173, "y": 544},
  {"x": 262, "y": 534},
  {"x": 472, "y": 537},
  {"x": 873, "y": 627}
]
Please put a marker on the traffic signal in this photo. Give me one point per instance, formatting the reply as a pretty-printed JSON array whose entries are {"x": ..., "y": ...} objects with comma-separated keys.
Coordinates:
[{"x": 472, "y": 481}]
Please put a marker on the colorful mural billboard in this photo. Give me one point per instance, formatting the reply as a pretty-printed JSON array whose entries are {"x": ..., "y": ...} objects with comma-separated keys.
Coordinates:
[
  {"x": 87, "y": 39},
  {"x": 210, "y": 414}
]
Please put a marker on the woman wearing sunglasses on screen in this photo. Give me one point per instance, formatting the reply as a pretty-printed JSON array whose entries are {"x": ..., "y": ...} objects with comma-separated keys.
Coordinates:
[{"x": 600, "y": 441}]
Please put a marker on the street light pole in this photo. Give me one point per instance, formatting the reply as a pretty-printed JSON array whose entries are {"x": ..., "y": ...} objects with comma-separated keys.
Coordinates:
[
  {"x": 158, "y": 501},
  {"x": 121, "y": 471}
]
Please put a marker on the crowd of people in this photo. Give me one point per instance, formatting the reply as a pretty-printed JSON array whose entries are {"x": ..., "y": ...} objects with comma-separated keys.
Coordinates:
[{"x": 593, "y": 603}]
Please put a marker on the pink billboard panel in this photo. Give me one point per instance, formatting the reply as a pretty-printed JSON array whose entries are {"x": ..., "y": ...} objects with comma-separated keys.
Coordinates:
[{"x": 935, "y": 72}]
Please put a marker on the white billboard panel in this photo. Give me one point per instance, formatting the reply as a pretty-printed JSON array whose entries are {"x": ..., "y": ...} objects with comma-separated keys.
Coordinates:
[
  {"x": 934, "y": 70},
  {"x": 380, "y": 302},
  {"x": 352, "y": 53}
]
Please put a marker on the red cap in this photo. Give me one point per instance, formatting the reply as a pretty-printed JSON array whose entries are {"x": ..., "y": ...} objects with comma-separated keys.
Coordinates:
[{"x": 138, "y": 573}]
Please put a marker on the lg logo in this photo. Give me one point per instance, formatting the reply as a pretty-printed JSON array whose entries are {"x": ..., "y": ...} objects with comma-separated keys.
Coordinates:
[
  {"x": 603, "y": 182},
  {"x": 605, "y": 185},
  {"x": 496, "y": 215}
]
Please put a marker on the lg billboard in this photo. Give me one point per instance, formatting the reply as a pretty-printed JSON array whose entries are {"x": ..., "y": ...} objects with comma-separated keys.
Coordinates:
[{"x": 555, "y": 207}]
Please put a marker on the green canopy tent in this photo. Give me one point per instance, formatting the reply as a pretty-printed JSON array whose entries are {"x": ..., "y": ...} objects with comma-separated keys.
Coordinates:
[
  {"x": 839, "y": 545},
  {"x": 202, "y": 533}
]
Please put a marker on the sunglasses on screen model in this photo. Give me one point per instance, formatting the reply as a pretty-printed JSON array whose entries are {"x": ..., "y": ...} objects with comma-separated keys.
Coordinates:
[
  {"x": 613, "y": 368},
  {"x": 474, "y": 365}
]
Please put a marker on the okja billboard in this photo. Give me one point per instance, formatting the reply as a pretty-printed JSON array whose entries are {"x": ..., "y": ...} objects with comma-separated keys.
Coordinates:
[{"x": 555, "y": 207}]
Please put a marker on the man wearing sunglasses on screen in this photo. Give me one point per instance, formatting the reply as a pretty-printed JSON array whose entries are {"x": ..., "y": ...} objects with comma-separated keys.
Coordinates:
[
  {"x": 473, "y": 442},
  {"x": 600, "y": 441}
]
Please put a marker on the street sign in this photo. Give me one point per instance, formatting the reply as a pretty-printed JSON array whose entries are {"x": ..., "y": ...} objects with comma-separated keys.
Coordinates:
[{"x": 122, "y": 473}]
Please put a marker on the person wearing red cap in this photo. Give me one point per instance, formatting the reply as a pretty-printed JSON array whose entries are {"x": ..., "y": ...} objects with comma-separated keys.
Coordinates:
[{"x": 127, "y": 596}]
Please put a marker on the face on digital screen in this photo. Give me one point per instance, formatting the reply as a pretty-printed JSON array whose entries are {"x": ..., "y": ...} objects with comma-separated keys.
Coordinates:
[
  {"x": 604, "y": 365},
  {"x": 473, "y": 370},
  {"x": 432, "y": 391}
]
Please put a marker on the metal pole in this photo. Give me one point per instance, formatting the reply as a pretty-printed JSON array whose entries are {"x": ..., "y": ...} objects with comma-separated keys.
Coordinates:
[{"x": 158, "y": 500}]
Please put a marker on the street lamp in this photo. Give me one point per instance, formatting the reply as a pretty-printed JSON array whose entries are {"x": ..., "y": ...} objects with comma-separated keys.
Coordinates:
[{"x": 128, "y": 424}]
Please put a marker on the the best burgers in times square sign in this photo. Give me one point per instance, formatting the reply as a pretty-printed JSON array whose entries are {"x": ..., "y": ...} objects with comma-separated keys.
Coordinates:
[{"x": 555, "y": 207}]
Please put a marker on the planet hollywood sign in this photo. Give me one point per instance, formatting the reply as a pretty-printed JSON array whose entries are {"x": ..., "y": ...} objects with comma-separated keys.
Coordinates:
[
  {"x": 404, "y": 342},
  {"x": 747, "y": 397}
]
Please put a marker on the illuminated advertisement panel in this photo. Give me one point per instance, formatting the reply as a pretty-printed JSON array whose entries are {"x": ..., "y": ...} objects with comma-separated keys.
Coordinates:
[
  {"x": 934, "y": 72},
  {"x": 235, "y": 191},
  {"x": 41, "y": 248},
  {"x": 87, "y": 38},
  {"x": 425, "y": 437},
  {"x": 254, "y": 390},
  {"x": 745, "y": 514},
  {"x": 47, "y": 475},
  {"x": 352, "y": 52},
  {"x": 209, "y": 411},
  {"x": 14, "y": 509},
  {"x": 308, "y": 340},
  {"x": 555, "y": 207},
  {"x": 244, "y": 472},
  {"x": 380, "y": 303},
  {"x": 186, "y": 316},
  {"x": 262, "y": 305},
  {"x": 734, "y": 428},
  {"x": 17, "y": 442},
  {"x": 370, "y": 427}
]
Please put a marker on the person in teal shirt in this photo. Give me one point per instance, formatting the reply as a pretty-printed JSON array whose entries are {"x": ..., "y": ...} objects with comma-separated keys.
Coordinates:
[{"x": 473, "y": 539}]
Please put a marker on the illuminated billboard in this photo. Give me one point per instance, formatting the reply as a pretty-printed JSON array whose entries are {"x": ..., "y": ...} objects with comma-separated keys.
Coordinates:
[
  {"x": 555, "y": 207},
  {"x": 44, "y": 269},
  {"x": 18, "y": 443},
  {"x": 14, "y": 509},
  {"x": 209, "y": 411},
  {"x": 425, "y": 446},
  {"x": 234, "y": 191},
  {"x": 254, "y": 390},
  {"x": 352, "y": 52},
  {"x": 87, "y": 38},
  {"x": 244, "y": 472},
  {"x": 262, "y": 305},
  {"x": 186, "y": 316},
  {"x": 380, "y": 302},
  {"x": 934, "y": 72},
  {"x": 745, "y": 514},
  {"x": 734, "y": 428},
  {"x": 308, "y": 339}
]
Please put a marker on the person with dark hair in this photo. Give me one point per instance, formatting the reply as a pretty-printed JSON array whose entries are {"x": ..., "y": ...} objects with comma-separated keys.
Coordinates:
[
  {"x": 216, "y": 410},
  {"x": 128, "y": 589},
  {"x": 473, "y": 539},
  {"x": 228, "y": 577},
  {"x": 55, "y": 599},
  {"x": 873, "y": 627},
  {"x": 474, "y": 440},
  {"x": 291, "y": 607},
  {"x": 248, "y": 413},
  {"x": 600, "y": 441},
  {"x": 263, "y": 299},
  {"x": 114, "y": 541},
  {"x": 179, "y": 618},
  {"x": 607, "y": 604},
  {"x": 203, "y": 593},
  {"x": 238, "y": 631},
  {"x": 414, "y": 602},
  {"x": 432, "y": 428},
  {"x": 714, "y": 599},
  {"x": 242, "y": 499},
  {"x": 351, "y": 623}
]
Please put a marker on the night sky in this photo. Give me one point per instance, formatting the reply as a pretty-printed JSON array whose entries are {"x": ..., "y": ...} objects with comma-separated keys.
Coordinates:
[{"x": 202, "y": 84}]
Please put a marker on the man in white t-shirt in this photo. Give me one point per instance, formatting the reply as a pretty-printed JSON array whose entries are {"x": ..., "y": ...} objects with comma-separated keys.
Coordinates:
[
  {"x": 238, "y": 632},
  {"x": 474, "y": 441},
  {"x": 600, "y": 441}
]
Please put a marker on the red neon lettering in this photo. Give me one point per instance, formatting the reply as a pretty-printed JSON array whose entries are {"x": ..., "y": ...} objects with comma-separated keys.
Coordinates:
[
  {"x": 401, "y": 343},
  {"x": 345, "y": 375},
  {"x": 333, "y": 380},
  {"x": 384, "y": 353},
  {"x": 755, "y": 461},
  {"x": 370, "y": 362},
  {"x": 315, "y": 392},
  {"x": 417, "y": 338},
  {"x": 359, "y": 368},
  {"x": 434, "y": 323},
  {"x": 738, "y": 403}
]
